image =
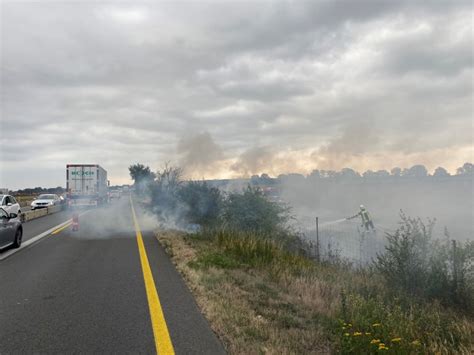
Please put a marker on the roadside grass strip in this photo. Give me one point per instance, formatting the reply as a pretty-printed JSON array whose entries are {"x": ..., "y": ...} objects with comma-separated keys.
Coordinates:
[{"x": 160, "y": 329}]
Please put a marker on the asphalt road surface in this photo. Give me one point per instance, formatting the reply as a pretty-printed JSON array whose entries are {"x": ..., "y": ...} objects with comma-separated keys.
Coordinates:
[
  {"x": 42, "y": 224},
  {"x": 107, "y": 288}
]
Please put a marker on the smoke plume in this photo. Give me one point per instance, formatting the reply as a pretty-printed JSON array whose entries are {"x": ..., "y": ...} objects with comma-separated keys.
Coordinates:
[
  {"x": 348, "y": 148},
  {"x": 199, "y": 154},
  {"x": 254, "y": 161}
]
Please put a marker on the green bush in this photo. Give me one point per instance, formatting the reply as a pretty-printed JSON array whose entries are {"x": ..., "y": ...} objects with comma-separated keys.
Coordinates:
[
  {"x": 203, "y": 203},
  {"x": 415, "y": 264},
  {"x": 164, "y": 194},
  {"x": 251, "y": 211},
  {"x": 405, "y": 262}
]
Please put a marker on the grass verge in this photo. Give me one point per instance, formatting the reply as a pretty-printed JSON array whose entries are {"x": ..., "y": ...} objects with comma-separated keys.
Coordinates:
[{"x": 262, "y": 299}]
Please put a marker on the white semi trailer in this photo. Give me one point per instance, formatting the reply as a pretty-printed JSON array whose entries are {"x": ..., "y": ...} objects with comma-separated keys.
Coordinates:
[{"x": 86, "y": 185}]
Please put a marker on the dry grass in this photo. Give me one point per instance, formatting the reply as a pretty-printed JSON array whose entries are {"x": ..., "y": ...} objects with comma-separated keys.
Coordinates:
[
  {"x": 260, "y": 299},
  {"x": 25, "y": 200},
  {"x": 250, "y": 310}
]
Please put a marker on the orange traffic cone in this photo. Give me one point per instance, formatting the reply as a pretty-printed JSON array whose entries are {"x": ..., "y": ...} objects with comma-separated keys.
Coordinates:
[{"x": 75, "y": 222}]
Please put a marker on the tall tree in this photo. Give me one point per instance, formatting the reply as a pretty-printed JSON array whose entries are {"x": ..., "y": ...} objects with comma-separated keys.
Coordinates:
[
  {"x": 416, "y": 171},
  {"x": 348, "y": 173},
  {"x": 466, "y": 169},
  {"x": 440, "y": 172},
  {"x": 315, "y": 174},
  {"x": 397, "y": 172},
  {"x": 141, "y": 175}
]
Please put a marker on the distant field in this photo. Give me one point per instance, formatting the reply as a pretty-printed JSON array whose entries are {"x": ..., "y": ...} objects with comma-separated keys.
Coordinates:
[{"x": 25, "y": 200}]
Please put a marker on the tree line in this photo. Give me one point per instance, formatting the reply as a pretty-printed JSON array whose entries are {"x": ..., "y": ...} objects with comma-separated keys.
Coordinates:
[
  {"x": 39, "y": 190},
  {"x": 416, "y": 171}
]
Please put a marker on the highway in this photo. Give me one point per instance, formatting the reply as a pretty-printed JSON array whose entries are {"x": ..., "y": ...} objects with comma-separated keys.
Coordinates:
[{"x": 107, "y": 288}]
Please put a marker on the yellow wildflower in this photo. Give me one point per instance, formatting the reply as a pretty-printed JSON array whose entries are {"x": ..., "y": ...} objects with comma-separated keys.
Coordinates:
[
  {"x": 367, "y": 333},
  {"x": 349, "y": 325},
  {"x": 396, "y": 340},
  {"x": 376, "y": 325},
  {"x": 375, "y": 341},
  {"x": 346, "y": 334},
  {"x": 343, "y": 328},
  {"x": 356, "y": 334},
  {"x": 416, "y": 342}
]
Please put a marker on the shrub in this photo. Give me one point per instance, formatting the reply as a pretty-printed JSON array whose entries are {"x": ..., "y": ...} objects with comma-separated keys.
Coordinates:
[
  {"x": 459, "y": 274},
  {"x": 251, "y": 211},
  {"x": 406, "y": 260},
  {"x": 203, "y": 203},
  {"x": 419, "y": 266},
  {"x": 164, "y": 195}
]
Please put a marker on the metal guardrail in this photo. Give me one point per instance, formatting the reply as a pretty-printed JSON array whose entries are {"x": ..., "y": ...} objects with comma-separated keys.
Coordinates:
[{"x": 29, "y": 215}]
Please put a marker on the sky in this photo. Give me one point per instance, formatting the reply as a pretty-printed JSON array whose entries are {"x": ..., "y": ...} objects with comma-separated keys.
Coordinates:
[{"x": 230, "y": 89}]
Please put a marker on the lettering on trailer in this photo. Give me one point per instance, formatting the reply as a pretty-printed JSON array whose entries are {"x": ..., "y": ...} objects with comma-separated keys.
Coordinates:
[{"x": 82, "y": 173}]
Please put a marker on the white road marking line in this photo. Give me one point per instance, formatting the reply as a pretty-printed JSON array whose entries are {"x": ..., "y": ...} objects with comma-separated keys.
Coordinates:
[{"x": 35, "y": 239}]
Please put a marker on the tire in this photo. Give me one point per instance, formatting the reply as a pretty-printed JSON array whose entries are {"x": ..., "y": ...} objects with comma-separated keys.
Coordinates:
[{"x": 18, "y": 237}]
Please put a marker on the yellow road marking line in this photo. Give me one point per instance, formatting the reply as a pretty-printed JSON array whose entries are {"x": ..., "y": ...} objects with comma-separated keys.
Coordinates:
[
  {"x": 160, "y": 329},
  {"x": 56, "y": 231}
]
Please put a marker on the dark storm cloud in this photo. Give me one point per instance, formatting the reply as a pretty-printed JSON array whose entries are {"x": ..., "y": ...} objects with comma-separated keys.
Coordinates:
[{"x": 116, "y": 83}]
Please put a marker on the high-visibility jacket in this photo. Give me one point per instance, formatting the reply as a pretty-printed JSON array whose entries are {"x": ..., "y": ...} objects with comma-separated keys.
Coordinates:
[{"x": 365, "y": 216}]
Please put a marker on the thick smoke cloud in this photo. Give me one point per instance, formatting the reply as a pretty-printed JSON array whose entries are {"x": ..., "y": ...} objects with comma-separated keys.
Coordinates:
[
  {"x": 355, "y": 141},
  {"x": 199, "y": 154},
  {"x": 253, "y": 161}
]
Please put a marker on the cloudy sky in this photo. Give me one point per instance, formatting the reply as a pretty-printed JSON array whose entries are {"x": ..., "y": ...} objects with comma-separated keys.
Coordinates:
[{"x": 230, "y": 89}]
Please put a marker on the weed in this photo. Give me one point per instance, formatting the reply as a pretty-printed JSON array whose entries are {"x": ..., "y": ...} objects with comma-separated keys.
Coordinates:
[{"x": 217, "y": 260}]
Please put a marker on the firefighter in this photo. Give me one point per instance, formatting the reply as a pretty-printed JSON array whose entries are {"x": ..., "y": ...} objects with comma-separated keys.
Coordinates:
[{"x": 366, "y": 220}]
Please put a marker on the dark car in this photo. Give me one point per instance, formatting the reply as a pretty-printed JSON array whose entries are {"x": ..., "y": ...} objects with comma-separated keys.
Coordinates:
[{"x": 11, "y": 230}]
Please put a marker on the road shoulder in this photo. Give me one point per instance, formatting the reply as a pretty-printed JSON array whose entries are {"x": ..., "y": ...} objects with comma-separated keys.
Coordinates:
[{"x": 190, "y": 331}]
